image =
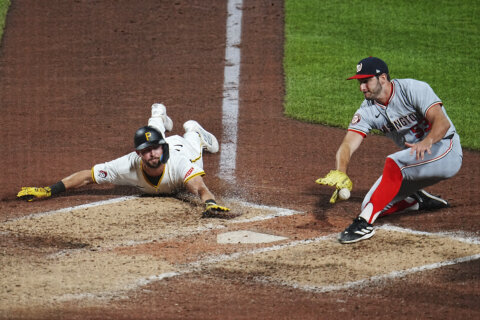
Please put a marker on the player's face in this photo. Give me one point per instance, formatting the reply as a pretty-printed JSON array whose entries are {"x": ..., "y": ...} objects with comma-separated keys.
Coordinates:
[
  {"x": 371, "y": 88},
  {"x": 151, "y": 156}
]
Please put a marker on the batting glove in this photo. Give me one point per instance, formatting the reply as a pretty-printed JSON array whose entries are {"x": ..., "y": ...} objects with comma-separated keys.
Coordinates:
[
  {"x": 337, "y": 179},
  {"x": 30, "y": 193},
  {"x": 212, "y": 209}
]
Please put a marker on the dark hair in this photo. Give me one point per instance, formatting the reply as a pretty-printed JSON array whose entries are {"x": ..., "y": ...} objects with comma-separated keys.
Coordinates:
[{"x": 387, "y": 74}]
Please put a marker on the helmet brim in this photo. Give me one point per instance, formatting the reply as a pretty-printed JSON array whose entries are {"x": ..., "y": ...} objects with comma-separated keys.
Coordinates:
[{"x": 148, "y": 144}]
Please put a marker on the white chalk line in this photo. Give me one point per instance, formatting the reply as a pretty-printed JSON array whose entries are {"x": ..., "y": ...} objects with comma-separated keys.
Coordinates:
[
  {"x": 278, "y": 212},
  {"x": 230, "y": 111},
  {"x": 230, "y": 104},
  {"x": 458, "y": 236},
  {"x": 82, "y": 206},
  {"x": 187, "y": 268},
  {"x": 198, "y": 265},
  {"x": 375, "y": 279}
]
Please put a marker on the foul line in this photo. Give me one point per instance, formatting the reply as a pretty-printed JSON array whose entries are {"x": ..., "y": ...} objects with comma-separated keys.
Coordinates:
[{"x": 228, "y": 153}]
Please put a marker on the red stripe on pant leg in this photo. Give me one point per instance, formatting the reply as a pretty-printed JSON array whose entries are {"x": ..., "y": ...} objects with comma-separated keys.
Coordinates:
[{"x": 388, "y": 188}]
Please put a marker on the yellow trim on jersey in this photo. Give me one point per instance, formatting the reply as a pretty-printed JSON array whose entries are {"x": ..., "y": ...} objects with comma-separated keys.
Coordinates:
[
  {"x": 195, "y": 160},
  {"x": 196, "y": 174},
  {"x": 147, "y": 180},
  {"x": 93, "y": 176}
]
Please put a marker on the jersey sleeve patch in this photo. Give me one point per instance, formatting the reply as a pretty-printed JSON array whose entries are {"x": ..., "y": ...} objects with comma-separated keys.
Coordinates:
[
  {"x": 100, "y": 174},
  {"x": 356, "y": 118}
]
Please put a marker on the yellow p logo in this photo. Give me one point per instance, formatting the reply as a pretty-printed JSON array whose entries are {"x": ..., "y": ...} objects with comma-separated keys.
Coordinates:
[{"x": 148, "y": 135}]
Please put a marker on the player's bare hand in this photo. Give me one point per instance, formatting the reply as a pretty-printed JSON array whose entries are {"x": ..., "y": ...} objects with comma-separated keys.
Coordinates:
[
  {"x": 420, "y": 148},
  {"x": 30, "y": 193},
  {"x": 213, "y": 210}
]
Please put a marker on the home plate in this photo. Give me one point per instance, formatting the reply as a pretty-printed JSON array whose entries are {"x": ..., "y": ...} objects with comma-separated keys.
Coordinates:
[{"x": 244, "y": 236}]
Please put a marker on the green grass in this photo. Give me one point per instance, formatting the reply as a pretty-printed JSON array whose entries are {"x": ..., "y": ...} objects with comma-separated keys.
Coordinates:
[
  {"x": 4, "y": 4},
  {"x": 436, "y": 41}
]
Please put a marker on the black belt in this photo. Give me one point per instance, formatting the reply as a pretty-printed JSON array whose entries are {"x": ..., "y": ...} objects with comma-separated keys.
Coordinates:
[{"x": 450, "y": 136}]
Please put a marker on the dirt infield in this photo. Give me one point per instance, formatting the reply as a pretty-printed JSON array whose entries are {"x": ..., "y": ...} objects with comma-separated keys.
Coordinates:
[
  {"x": 78, "y": 77},
  {"x": 112, "y": 249}
]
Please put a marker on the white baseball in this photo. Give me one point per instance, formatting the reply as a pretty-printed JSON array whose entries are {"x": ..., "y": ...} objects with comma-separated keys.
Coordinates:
[{"x": 344, "y": 194}]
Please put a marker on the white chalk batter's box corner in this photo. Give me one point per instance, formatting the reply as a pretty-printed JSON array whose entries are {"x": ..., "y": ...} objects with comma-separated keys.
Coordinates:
[
  {"x": 317, "y": 265},
  {"x": 130, "y": 221}
]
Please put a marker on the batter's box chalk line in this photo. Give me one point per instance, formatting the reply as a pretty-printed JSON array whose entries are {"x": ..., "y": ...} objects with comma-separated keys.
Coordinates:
[
  {"x": 277, "y": 212},
  {"x": 198, "y": 265},
  {"x": 372, "y": 280}
]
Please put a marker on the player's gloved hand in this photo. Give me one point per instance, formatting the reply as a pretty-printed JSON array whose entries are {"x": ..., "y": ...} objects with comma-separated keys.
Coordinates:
[
  {"x": 30, "y": 193},
  {"x": 212, "y": 209},
  {"x": 337, "y": 179}
]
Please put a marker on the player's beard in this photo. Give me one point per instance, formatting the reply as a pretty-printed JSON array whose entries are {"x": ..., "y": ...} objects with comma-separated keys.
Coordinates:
[
  {"x": 374, "y": 93},
  {"x": 152, "y": 164}
]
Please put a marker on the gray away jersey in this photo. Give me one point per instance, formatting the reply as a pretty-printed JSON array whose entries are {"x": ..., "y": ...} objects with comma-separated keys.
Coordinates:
[{"x": 403, "y": 119}]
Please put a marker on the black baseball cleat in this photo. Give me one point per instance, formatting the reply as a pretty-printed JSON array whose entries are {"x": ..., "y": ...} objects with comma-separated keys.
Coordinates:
[
  {"x": 427, "y": 201},
  {"x": 359, "y": 230}
]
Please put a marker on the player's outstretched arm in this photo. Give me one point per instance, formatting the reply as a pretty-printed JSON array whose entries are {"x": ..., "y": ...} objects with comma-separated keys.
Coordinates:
[
  {"x": 75, "y": 180},
  {"x": 338, "y": 178},
  {"x": 351, "y": 142},
  {"x": 197, "y": 187}
]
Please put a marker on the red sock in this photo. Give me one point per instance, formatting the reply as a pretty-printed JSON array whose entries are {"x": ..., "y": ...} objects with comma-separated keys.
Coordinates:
[{"x": 387, "y": 189}]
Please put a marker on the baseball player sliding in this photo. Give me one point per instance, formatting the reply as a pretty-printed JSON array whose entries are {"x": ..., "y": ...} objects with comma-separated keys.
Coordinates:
[
  {"x": 411, "y": 114},
  {"x": 157, "y": 166}
]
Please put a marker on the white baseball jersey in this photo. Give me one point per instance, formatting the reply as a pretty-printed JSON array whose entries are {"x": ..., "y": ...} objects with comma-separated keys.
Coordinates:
[
  {"x": 184, "y": 163},
  {"x": 403, "y": 119}
]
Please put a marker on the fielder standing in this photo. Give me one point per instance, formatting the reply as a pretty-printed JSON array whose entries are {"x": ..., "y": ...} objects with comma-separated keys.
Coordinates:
[
  {"x": 411, "y": 114},
  {"x": 157, "y": 166}
]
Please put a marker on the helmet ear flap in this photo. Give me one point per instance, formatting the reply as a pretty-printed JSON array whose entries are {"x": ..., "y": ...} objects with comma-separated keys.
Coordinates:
[{"x": 165, "y": 153}]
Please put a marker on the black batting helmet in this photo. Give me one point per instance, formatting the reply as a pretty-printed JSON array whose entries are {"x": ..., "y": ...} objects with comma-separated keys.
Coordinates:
[{"x": 149, "y": 136}]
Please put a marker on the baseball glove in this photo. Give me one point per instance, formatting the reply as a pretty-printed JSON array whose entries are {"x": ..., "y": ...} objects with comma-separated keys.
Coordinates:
[
  {"x": 30, "y": 193},
  {"x": 213, "y": 210},
  {"x": 337, "y": 179}
]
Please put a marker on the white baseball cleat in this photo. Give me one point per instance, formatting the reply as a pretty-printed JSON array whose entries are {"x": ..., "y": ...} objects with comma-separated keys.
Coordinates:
[
  {"x": 207, "y": 139},
  {"x": 159, "y": 111}
]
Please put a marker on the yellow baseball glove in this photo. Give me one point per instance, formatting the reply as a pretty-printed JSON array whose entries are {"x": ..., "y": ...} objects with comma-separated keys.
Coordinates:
[
  {"x": 212, "y": 209},
  {"x": 30, "y": 193},
  {"x": 337, "y": 179}
]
